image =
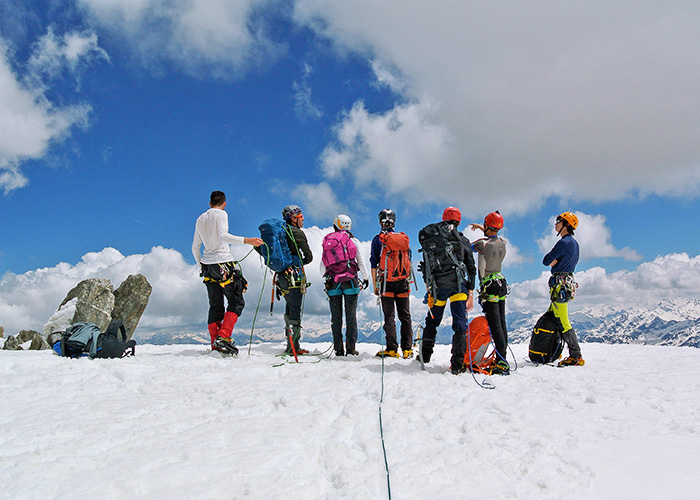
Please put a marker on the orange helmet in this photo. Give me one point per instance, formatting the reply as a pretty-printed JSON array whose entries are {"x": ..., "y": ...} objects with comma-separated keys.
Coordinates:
[
  {"x": 452, "y": 214},
  {"x": 569, "y": 218},
  {"x": 494, "y": 220}
]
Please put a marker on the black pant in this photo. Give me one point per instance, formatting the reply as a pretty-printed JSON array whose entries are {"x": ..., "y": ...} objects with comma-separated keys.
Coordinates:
[
  {"x": 293, "y": 297},
  {"x": 495, "y": 313},
  {"x": 215, "y": 274},
  {"x": 396, "y": 301},
  {"x": 459, "y": 326},
  {"x": 336, "y": 303}
]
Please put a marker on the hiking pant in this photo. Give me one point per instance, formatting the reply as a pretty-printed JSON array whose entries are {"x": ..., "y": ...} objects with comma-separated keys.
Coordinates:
[
  {"x": 458, "y": 307},
  {"x": 396, "y": 297},
  {"x": 292, "y": 297},
  {"x": 344, "y": 292},
  {"x": 495, "y": 313},
  {"x": 561, "y": 311},
  {"x": 214, "y": 275}
]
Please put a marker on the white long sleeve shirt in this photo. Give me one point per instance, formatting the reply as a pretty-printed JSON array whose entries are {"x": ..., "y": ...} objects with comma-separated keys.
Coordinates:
[{"x": 211, "y": 230}]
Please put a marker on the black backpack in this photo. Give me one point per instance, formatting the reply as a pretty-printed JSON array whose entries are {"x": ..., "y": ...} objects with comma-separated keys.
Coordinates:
[
  {"x": 113, "y": 344},
  {"x": 546, "y": 343},
  {"x": 443, "y": 254}
]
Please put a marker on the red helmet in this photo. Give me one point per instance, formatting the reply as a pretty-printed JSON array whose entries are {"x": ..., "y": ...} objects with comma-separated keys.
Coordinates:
[
  {"x": 452, "y": 214},
  {"x": 494, "y": 220}
]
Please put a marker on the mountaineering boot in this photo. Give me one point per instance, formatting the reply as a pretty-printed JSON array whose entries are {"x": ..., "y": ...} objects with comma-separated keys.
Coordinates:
[
  {"x": 352, "y": 352},
  {"x": 500, "y": 367},
  {"x": 340, "y": 353},
  {"x": 227, "y": 324},
  {"x": 572, "y": 362},
  {"x": 407, "y": 353},
  {"x": 225, "y": 346},
  {"x": 456, "y": 370},
  {"x": 385, "y": 354},
  {"x": 214, "y": 332},
  {"x": 296, "y": 336}
]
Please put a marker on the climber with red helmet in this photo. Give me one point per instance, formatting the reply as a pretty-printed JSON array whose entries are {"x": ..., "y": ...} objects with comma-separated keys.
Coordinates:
[
  {"x": 563, "y": 259},
  {"x": 449, "y": 274},
  {"x": 493, "y": 287}
]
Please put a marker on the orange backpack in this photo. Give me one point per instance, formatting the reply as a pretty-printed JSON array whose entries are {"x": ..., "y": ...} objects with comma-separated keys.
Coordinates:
[
  {"x": 478, "y": 342},
  {"x": 394, "y": 261}
]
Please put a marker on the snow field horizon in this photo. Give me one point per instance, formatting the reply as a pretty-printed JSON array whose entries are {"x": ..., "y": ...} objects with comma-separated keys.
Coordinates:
[{"x": 179, "y": 421}]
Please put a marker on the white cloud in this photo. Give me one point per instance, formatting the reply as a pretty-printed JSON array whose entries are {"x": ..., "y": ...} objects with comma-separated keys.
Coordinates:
[
  {"x": 318, "y": 200},
  {"x": 179, "y": 301},
  {"x": 29, "y": 122},
  {"x": 400, "y": 152},
  {"x": 220, "y": 38},
  {"x": 578, "y": 100},
  {"x": 72, "y": 51},
  {"x": 593, "y": 236},
  {"x": 673, "y": 275},
  {"x": 303, "y": 101}
]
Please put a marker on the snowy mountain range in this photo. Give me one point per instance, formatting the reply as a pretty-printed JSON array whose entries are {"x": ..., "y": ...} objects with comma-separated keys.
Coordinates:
[{"x": 673, "y": 322}]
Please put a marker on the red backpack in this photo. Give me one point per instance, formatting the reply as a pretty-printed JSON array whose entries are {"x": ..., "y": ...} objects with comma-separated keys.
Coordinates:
[
  {"x": 394, "y": 261},
  {"x": 478, "y": 342},
  {"x": 339, "y": 256}
]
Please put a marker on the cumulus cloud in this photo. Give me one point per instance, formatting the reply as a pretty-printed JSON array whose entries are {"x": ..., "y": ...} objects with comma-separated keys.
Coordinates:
[
  {"x": 178, "y": 302},
  {"x": 400, "y": 152},
  {"x": 318, "y": 200},
  {"x": 594, "y": 239},
  {"x": 586, "y": 101},
  {"x": 220, "y": 38},
  {"x": 672, "y": 276},
  {"x": 29, "y": 122}
]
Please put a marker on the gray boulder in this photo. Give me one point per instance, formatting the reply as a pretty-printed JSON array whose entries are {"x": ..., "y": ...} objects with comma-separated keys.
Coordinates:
[
  {"x": 11, "y": 344},
  {"x": 37, "y": 339},
  {"x": 95, "y": 302},
  {"x": 130, "y": 301}
]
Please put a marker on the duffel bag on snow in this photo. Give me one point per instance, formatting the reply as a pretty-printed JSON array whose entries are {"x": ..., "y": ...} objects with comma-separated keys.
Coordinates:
[{"x": 546, "y": 343}]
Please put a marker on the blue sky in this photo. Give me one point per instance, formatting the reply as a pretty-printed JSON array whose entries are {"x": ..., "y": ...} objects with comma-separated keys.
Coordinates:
[{"x": 117, "y": 119}]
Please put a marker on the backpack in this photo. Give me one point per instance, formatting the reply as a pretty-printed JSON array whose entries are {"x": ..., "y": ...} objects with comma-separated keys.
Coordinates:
[
  {"x": 546, "y": 343},
  {"x": 394, "y": 261},
  {"x": 86, "y": 339},
  {"x": 478, "y": 342},
  {"x": 339, "y": 256},
  {"x": 113, "y": 344},
  {"x": 443, "y": 253},
  {"x": 275, "y": 251}
]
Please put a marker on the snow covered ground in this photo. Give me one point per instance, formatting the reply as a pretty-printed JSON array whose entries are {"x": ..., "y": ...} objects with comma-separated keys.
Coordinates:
[{"x": 180, "y": 422}]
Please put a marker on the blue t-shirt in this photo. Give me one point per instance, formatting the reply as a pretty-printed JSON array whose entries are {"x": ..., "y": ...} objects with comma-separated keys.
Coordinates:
[{"x": 565, "y": 252}]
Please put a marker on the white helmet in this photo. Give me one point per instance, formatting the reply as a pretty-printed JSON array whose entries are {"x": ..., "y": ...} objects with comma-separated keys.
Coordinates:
[{"x": 342, "y": 222}]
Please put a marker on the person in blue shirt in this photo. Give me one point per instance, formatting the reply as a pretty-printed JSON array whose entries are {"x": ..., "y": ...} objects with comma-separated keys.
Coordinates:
[{"x": 563, "y": 259}]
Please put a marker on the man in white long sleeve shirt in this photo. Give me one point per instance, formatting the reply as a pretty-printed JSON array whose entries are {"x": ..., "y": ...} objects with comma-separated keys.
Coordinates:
[{"x": 221, "y": 276}]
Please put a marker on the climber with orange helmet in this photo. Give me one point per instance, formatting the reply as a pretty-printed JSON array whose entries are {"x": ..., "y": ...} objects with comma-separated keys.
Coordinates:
[
  {"x": 563, "y": 259},
  {"x": 493, "y": 286}
]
